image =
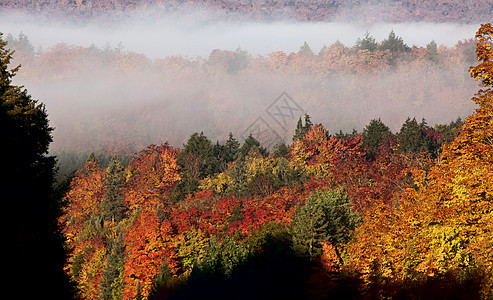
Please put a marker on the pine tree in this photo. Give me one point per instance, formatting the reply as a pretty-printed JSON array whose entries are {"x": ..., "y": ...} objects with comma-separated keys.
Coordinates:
[
  {"x": 309, "y": 228},
  {"x": 112, "y": 282},
  {"x": 302, "y": 129},
  {"x": 305, "y": 50},
  {"x": 394, "y": 44},
  {"x": 250, "y": 142},
  {"x": 280, "y": 150},
  {"x": 412, "y": 137},
  {"x": 373, "y": 135},
  {"x": 367, "y": 43},
  {"x": 200, "y": 146},
  {"x": 226, "y": 153},
  {"x": 112, "y": 207},
  {"x": 432, "y": 53}
]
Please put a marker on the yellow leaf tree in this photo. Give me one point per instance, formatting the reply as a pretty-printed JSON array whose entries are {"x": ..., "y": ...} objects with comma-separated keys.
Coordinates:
[{"x": 442, "y": 225}]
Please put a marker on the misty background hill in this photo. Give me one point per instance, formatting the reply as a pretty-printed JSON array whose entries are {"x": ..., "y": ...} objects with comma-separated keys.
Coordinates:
[{"x": 363, "y": 11}]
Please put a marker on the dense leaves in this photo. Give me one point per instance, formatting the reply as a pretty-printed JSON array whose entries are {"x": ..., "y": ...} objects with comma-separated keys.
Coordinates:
[{"x": 371, "y": 215}]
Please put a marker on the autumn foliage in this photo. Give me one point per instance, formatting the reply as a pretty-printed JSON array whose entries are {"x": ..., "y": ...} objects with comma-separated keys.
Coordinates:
[{"x": 344, "y": 221}]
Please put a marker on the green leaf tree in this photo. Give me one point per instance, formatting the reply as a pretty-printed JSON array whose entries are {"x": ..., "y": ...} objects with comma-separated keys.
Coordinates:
[{"x": 325, "y": 216}]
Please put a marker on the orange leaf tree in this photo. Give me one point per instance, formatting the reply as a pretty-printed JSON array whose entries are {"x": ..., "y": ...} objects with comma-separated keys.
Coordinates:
[
  {"x": 82, "y": 228},
  {"x": 442, "y": 223},
  {"x": 154, "y": 172}
]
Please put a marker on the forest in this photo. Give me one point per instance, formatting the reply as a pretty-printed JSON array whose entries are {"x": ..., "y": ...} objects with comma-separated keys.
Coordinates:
[
  {"x": 367, "y": 11},
  {"x": 377, "y": 214},
  {"x": 139, "y": 177},
  {"x": 371, "y": 214}
]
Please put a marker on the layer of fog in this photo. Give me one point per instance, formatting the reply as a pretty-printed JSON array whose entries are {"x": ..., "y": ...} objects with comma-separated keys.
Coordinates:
[
  {"x": 128, "y": 111},
  {"x": 195, "y": 35}
]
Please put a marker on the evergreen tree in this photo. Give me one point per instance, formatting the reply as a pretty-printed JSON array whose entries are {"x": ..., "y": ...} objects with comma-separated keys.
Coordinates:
[
  {"x": 450, "y": 131},
  {"x": 197, "y": 160},
  {"x": 112, "y": 282},
  {"x": 232, "y": 147},
  {"x": 305, "y": 50},
  {"x": 199, "y": 146},
  {"x": 373, "y": 135},
  {"x": 413, "y": 138},
  {"x": 367, "y": 43},
  {"x": 34, "y": 247},
  {"x": 113, "y": 207},
  {"x": 22, "y": 45},
  {"x": 226, "y": 153},
  {"x": 344, "y": 135},
  {"x": 280, "y": 150},
  {"x": 432, "y": 52},
  {"x": 394, "y": 44},
  {"x": 250, "y": 142},
  {"x": 302, "y": 129},
  {"x": 241, "y": 61}
]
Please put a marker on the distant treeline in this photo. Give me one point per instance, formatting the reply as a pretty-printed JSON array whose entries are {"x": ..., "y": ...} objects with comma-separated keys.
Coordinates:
[
  {"x": 116, "y": 101},
  {"x": 366, "y": 11}
]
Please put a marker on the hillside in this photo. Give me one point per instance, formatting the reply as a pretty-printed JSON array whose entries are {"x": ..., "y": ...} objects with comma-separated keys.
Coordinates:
[{"x": 364, "y": 11}]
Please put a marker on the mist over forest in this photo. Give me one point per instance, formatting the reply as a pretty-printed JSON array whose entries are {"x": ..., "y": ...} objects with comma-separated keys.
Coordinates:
[
  {"x": 232, "y": 149},
  {"x": 126, "y": 85}
]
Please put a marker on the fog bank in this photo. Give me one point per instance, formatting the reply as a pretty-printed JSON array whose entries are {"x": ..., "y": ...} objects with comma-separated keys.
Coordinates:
[{"x": 195, "y": 35}]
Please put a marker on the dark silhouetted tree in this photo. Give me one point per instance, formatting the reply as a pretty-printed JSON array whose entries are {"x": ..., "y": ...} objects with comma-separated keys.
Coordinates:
[
  {"x": 30, "y": 210},
  {"x": 226, "y": 153}
]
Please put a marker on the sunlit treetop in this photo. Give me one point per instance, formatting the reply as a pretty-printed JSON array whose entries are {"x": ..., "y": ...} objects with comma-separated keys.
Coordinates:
[{"x": 484, "y": 71}]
